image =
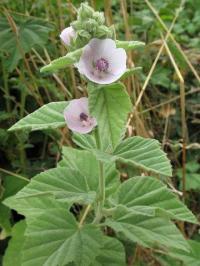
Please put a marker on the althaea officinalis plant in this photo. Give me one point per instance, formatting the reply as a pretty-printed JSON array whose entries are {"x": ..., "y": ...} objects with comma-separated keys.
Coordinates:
[{"x": 139, "y": 210}]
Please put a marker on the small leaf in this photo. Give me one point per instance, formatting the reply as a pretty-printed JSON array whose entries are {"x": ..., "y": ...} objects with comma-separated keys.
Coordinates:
[
  {"x": 62, "y": 62},
  {"x": 56, "y": 239},
  {"x": 127, "y": 45},
  {"x": 143, "y": 192},
  {"x": 130, "y": 71},
  {"x": 85, "y": 141},
  {"x": 147, "y": 231},
  {"x": 47, "y": 116},
  {"x": 13, "y": 255},
  {"x": 145, "y": 154},
  {"x": 5, "y": 225},
  {"x": 104, "y": 103}
]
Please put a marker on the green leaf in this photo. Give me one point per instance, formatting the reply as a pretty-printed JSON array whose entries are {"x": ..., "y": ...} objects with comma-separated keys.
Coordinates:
[
  {"x": 147, "y": 193},
  {"x": 47, "y": 116},
  {"x": 31, "y": 207},
  {"x": 145, "y": 154},
  {"x": 55, "y": 238},
  {"x": 86, "y": 163},
  {"x": 147, "y": 231},
  {"x": 5, "y": 225},
  {"x": 131, "y": 71},
  {"x": 191, "y": 258},
  {"x": 13, "y": 255},
  {"x": 127, "y": 45},
  {"x": 63, "y": 61},
  {"x": 85, "y": 141},
  {"x": 66, "y": 184},
  {"x": 110, "y": 105},
  {"x": 112, "y": 253}
]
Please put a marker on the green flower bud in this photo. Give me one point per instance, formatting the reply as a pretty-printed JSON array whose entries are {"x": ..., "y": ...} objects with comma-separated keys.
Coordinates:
[
  {"x": 85, "y": 12},
  {"x": 99, "y": 18},
  {"x": 103, "y": 32}
]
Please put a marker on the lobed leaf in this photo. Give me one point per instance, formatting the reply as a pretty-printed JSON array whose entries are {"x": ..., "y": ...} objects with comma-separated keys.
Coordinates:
[
  {"x": 55, "y": 238},
  {"x": 148, "y": 231},
  {"x": 146, "y": 194}
]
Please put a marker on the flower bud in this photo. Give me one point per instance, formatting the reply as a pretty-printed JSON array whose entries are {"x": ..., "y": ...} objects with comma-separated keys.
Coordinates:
[{"x": 85, "y": 12}]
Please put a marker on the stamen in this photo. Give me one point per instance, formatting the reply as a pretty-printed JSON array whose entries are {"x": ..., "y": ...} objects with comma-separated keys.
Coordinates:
[
  {"x": 102, "y": 65},
  {"x": 83, "y": 117}
]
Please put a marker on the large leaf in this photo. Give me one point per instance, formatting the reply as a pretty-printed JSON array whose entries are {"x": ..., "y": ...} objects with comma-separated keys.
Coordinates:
[
  {"x": 144, "y": 153},
  {"x": 55, "y": 238},
  {"x": 48, "y": 116},
  {"x": 147, "y": 231},
  {"x": 110, "y": 105},
  {"x": 13, "y": 255},
  {"x": 112, "y": 253},
  {"x": 66, "y": 184},
  {"x": 31, "y": 32},
  {"x": 149, "y": 194}
]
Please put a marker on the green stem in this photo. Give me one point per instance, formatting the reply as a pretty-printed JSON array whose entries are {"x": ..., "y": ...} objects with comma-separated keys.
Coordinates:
[{"x": 101, "y": 198}]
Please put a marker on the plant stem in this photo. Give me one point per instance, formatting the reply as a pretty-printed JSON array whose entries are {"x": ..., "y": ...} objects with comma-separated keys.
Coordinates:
[{"x": 101, "y": 198}]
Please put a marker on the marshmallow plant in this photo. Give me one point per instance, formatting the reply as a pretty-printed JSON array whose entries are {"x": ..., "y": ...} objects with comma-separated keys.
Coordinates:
[{"x": 140, "y": 210}]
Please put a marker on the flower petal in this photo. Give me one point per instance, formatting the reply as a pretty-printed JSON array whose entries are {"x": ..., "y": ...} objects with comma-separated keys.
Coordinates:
[{"x": 67, "y": 35}]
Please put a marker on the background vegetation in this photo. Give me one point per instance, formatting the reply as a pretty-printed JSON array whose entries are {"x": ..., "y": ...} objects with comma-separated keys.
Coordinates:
[{"x": 165, "y": 92}]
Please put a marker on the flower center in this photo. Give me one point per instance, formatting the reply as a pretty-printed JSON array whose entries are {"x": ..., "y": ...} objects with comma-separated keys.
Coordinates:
[
  {"x": 102, "y": 65},
  {"x": 83, "y": 117}
]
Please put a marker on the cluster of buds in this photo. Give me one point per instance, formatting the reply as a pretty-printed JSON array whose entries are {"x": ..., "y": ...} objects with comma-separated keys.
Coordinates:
[{"x": 89, "y": 25}]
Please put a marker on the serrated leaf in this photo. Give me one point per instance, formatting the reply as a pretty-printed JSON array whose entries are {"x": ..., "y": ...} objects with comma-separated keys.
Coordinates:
[
  {"x": 65, "y": 184},
  {"x": 47, "y": 116},
  {"x": 63, "y": 61},
  {"x": 56, "y": 239},
  {"x": 13, "y": 254},
  {"x": 146, "y": 193},
  {"x": 110, "y": 105},
  {"x": 112, "y": 253},
  {"x": 127, "y": 45},
  {"x": 147, "y": 231},
  {"x": 145, "y": 154},
  {"x": 31, "y": 207}
]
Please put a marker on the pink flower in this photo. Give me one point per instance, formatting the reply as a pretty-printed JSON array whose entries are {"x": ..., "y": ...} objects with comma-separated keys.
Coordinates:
[
  {"x": 101, "y": 62},
  {"x": 77, "y": 116},
  {"x": 67, "y": 35}
]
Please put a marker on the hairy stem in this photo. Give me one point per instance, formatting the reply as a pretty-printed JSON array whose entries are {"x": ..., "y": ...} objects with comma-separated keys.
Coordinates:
[{"x": 101, "y": 197}]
